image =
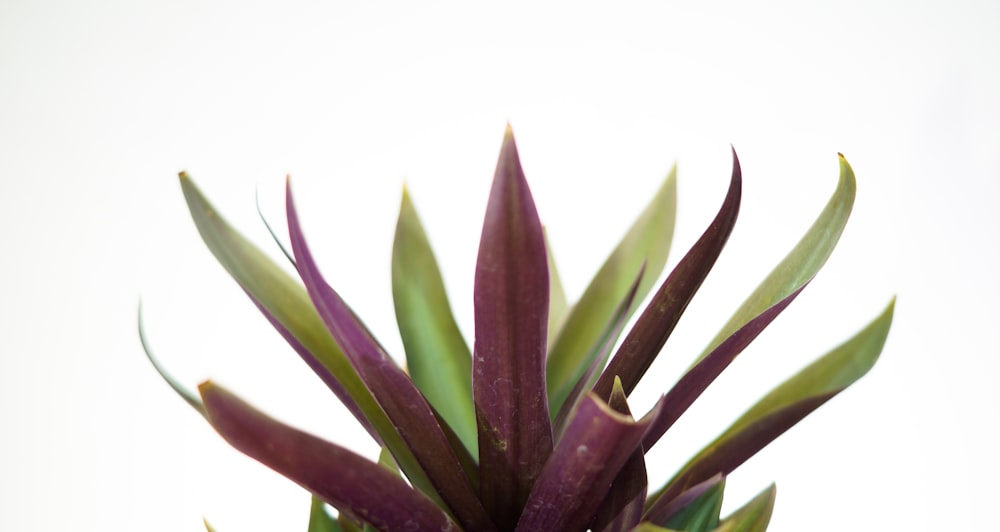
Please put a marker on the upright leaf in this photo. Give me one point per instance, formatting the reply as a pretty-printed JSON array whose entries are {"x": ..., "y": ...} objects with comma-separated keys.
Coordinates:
[
  {"x": 511, "y": 316},
  {"x": 319, "y": 519},
  {"x": 343, "y": 479},
  {"x": 802, "y": 263},
  {"x": 558, "y": 306},
  {"x": 395, "y": 392},
  {"x": 663, "y": 511},
  {"x": 437, "y": 356},
  {"x": 622, "y": 507},
  {"x": 702, "y": 513},
  {"x": 657, "y": 321},
  {"x": 647, "y": 241},
  {"x": 785, "y": 406}
]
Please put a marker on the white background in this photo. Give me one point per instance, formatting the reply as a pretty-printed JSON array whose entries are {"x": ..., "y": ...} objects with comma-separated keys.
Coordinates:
[{"x": 102, "y": 103}]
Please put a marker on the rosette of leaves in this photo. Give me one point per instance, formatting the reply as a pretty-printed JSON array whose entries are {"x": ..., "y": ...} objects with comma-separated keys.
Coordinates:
[{"x": 530, "y": 429}]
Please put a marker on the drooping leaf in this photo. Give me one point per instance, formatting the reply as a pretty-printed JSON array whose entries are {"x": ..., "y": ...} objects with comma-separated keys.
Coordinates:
[
  {"x": 754, "y": 516},
  {"x": 599, "y": 356},
  {"x": 343, "y": 479},
  {"x": 701, "y": 514},
  {"x": 622, "y": 507},
  {"x": 186, "y": 394},
  {"x": 511, "y": 298},
  {"x": 785, "y": 406},
  {"x": 558, "y": 306},
  {"x": 647, "y": 241},
  {"x": 657, "y": 321},
  {"x": 663, "y": 510},
  {"x": 698, "y": 378},
  {"x": 319, "y": 519},
  {"x": 802, "y": 263},
  {"x": 437, "y": 356},
  {"x": 404, "y": 405},
  {"x": 597, "y": 443}
]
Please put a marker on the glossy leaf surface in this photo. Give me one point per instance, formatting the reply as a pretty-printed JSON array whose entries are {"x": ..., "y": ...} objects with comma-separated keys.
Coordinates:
[
  {"x": 437, "y": 356},
  {"x": 392, "y": 388},
  {"x": 803, "y": 262},
  {"x": 647, "y": 241},
  {"x": 643, "y": 343},
  {"x": 343, "y": 479},
  {"x": 511, "y": 299}
]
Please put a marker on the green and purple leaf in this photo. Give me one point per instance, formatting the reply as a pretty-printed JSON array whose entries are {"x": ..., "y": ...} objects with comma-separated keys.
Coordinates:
[
  {"x": 599, "y": 357},
  {"x": 438, "y": 359},
  {"x": 698, "y": 378},
  {"x": 646, "y": 242},
  {"x": 319, "y": 519},
  {"x": 576, "y": 479},
  {"x": 802, "y": 263},
  {"x": 700, "y": 513},
  {"x": 658, "y": 320},
  {"x": 662, "y": 511},
  {"x": 404, "y": 405},
  {"x": 511, "y": 299},
  {"x": 622, "y": 508},
  {"x": 558, "y": 305},
  {"x": 754, "y": 516},
  {"x": 784, "y": 406},
  {"x": 350, "y": 483}
]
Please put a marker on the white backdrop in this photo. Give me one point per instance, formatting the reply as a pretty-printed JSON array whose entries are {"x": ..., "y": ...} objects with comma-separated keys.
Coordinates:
[{"x": 102, "y": 103}]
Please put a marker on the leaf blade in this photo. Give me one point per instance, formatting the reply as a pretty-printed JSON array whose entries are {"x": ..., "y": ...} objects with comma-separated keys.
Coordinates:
[
  {"x": 511, "y": 319},
  {"x": 438, "y": 359}
]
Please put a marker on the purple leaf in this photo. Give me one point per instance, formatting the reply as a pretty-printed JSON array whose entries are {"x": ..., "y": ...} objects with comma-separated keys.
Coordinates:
[
  {"x": 398, "y": 396},
  {"x": 699, "y": 377},
  {"x": 349, "y": 482},
  {"x": 622, "y": 507},
  {"x": 657, "y": 321},
  {"x": 511, "y": 320},
  {"x": 320, "y": 370},
  {"x": 583, "y": 465},
  {"x": 662, "y": 510}
]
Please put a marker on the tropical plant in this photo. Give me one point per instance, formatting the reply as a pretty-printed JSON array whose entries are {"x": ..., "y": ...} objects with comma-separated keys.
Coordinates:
[{"x": 530, "y": 430}]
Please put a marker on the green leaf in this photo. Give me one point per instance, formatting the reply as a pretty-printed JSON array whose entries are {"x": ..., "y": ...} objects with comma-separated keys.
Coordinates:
[
  {"x": 701, "y": 514},
  {"x": 785, "y": 406},
  {"x": 286, "y": 302},
  {"x": 208, "y": 527},
  {"x": 437, "y": 356},
  {"x": 558, "y": 306},
  {"x": 648, "y": 240},
  {"x": 189, "y": 396},
  {"x": 802, "y": 263},
  {"x": 319, "y": 519},
  {"x": 754, "y": 516},
  {"x": 650, "y": 527}
]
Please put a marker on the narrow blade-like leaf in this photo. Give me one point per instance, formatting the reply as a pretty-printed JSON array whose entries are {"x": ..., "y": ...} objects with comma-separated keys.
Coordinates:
[
  {"x": 785, "y": 406},
  {"x": 208, "y": 527},
  {"x": 511, "y": 318},
  {"x": 189, "y": 397},
  {"x": 697, "y": 379},
  {"x": 622, "y": 507},
  {"x": 662, "y": 510},
  {"x": 587, "y": 459},
  {"x": 599, "y": 355},
  {"x": 437, "y": 356},
  {"x": 647, "y": 241},
  {"x": 802, "y": 263},
  {"x": 558, "y": 305},
  {"x": 658, "y": 320},
  {"x": 394, "y": 391},
  {"x": 754, "y": 516},
  {"x": 319, "y": 519},
  {"x": 343, "y": 479}
]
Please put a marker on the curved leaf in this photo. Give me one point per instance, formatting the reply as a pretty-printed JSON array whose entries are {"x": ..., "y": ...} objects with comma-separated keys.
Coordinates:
[
  {"x": 395, "y": 392},
  {"x": 802, "y": 263},
  {"x": 288, "y": 305},
  {"x": 647, "y": 241},
  {"x": 343, "y": 479},
  {"x": 511, "y": 317},
  {"x": 437, "y": 356},
  {"x": 190, "y": 397},
  {"x": 785, "y": 406},
  {"x": 587, "y": 459},
  {"x": 644, "y": 342},
  {"x": 754, "y": 516}
]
